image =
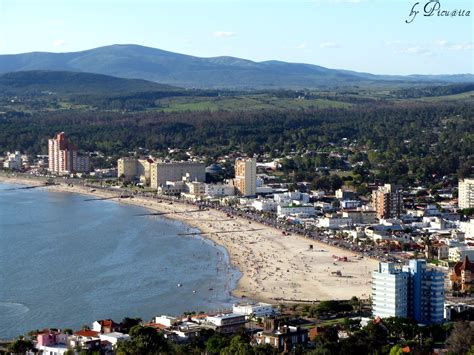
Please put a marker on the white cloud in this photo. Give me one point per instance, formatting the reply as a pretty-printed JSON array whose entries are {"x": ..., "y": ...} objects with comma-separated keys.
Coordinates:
[
  {"x": 465, "y": 46},
  {"x": 329, "y": 45},
  {"x": 414, "y": 50},
  {"x": 59, "y": 43},
  {"x": 224, "y": 34},
  {"x": 461, "y": 47}
]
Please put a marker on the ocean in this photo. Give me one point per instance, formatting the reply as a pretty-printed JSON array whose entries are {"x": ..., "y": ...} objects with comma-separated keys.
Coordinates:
[{"x": 65, "y": 262}]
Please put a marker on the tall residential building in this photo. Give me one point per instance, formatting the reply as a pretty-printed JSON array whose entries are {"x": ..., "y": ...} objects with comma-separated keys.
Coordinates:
[
  {"x": 63, "y": 157},
  {"x": 246, "y": 176},
  {"x": 390, "y": 291},
  {"x": 161, "y": 172},
  {"x": 414, "y": 291},
  {"x": 425, "y": 293},
  {"x": 466, "y": 193},
  {"x": 387, "y": 201}
]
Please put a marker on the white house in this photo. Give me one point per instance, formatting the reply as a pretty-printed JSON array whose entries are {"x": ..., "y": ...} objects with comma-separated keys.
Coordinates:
[
  {"x": 165, "y": 320},
  {"x": 114, "y": 337},
  {"x": 334, "y": 222},
  {"x": 264, "y": 205},
  {"x": 294, "y": 209},
  {"x": 256, "y": 309},
  {"x": 459, "y": 253}
]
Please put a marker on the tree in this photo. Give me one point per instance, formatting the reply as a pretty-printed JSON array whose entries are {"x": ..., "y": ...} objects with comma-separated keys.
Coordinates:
[
  {"x": 143, "y": 340},
  {"x": 461, "y": 338},
  {"x": 238, "y": 346},
  {"x": 20, "y": 346},
  {"x": 216, "y": 343},
  {"x": 128, "y": 323}
]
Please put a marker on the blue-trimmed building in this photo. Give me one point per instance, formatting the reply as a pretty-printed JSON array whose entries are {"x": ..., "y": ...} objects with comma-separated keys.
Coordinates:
[{"x": 413, "y": 291}]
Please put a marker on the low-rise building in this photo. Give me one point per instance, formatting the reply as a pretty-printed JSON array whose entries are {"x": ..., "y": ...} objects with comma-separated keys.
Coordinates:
[
  {"x": 459, "y": 253},
  {"x": 350, "y": 204},
  {"x": 88, "y": 340},
  {"x": 334, "y": 222},
  {"x": 462, "y": 275},
  {"x": 280, "y": 336},
  {"x": 467, "y": 228},
  {"x": 105, "y": 326},
  {"x": 52, "y": 342},
  {"x": 13, "y": 161},
  {"x": 227, "y": 323},
  {"x": 360, "y": 216},
  {"x": 255, "y": 310},
  {"x": 265, "y": 205},
  {"x": 114, "y": 337},
  {"x": 295, "y": 209},
  {"x": 219, "y": 190}
]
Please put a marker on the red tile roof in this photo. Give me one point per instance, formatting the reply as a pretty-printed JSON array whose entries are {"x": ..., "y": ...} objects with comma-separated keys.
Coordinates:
[
  {"x": 87, "y": 333},
  {"x": 156, "y": 326},
  {"x": 463, "y": 265}
]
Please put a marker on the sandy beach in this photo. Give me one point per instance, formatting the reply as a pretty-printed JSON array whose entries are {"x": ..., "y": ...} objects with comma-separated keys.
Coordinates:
[{"x": 275, "y": 267}]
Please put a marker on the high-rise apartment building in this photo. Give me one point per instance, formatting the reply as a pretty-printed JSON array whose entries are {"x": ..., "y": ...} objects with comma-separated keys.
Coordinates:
[
  {"x": 413, "y": 291},
  {"x": 246, "y": 176},
  {"x": 387, "y": 201},
  {"x": 425, "y": 293},
  {"x": 390, "y": 291},
  {"x": 63, "y": 157},
  {"x": 466, "y": 193}
]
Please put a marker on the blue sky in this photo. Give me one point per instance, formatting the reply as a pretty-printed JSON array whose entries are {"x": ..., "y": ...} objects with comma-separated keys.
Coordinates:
[{"x": 361, "y": 35}]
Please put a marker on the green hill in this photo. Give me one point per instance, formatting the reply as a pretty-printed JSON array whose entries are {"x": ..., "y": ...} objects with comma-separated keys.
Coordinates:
[{"x": 138, "y": 62}]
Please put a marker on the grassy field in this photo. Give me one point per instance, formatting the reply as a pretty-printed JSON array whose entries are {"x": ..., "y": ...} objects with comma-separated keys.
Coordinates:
[
  {"x": 250, "y": 102},
  {"x": 464, "y": 96}
]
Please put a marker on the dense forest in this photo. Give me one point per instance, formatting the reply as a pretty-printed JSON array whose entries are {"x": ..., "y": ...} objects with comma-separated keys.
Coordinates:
[{"x": 410, "y": 140}]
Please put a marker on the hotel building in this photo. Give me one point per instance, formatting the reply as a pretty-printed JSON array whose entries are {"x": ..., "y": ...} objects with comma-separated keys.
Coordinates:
[
  {"x": 246, "y": 176},
  {"x": 161, "y": 172},
  {"x": 129, "y": 169}
]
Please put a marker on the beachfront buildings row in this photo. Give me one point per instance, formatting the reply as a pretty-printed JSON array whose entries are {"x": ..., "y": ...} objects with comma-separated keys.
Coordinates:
[
  {"x": 188, "y": 177},
  {"x": 63, "y": 157},
  {"x": 413, "y": 291},
  {"x": 157, "y": 173}
]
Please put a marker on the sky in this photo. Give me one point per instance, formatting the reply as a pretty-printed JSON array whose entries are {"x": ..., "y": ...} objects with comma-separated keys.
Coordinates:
[{"x": 362, "y": 35}]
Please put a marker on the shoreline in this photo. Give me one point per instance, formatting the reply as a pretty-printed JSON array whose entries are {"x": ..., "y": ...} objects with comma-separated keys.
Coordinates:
[{"x": 274, "y": 268}]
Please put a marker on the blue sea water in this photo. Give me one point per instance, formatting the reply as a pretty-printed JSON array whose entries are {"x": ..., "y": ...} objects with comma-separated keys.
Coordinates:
[{"x": 65, "y": 262}]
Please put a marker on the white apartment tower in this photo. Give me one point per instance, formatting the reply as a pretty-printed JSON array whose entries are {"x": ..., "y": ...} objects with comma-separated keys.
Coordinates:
[
  {"x": 466, "y": 193},
  {"x": 390, "y": 290}
]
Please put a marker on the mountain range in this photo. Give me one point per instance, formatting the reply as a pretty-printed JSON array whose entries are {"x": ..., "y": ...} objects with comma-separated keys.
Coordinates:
[{"x": 139, "y": 62}]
